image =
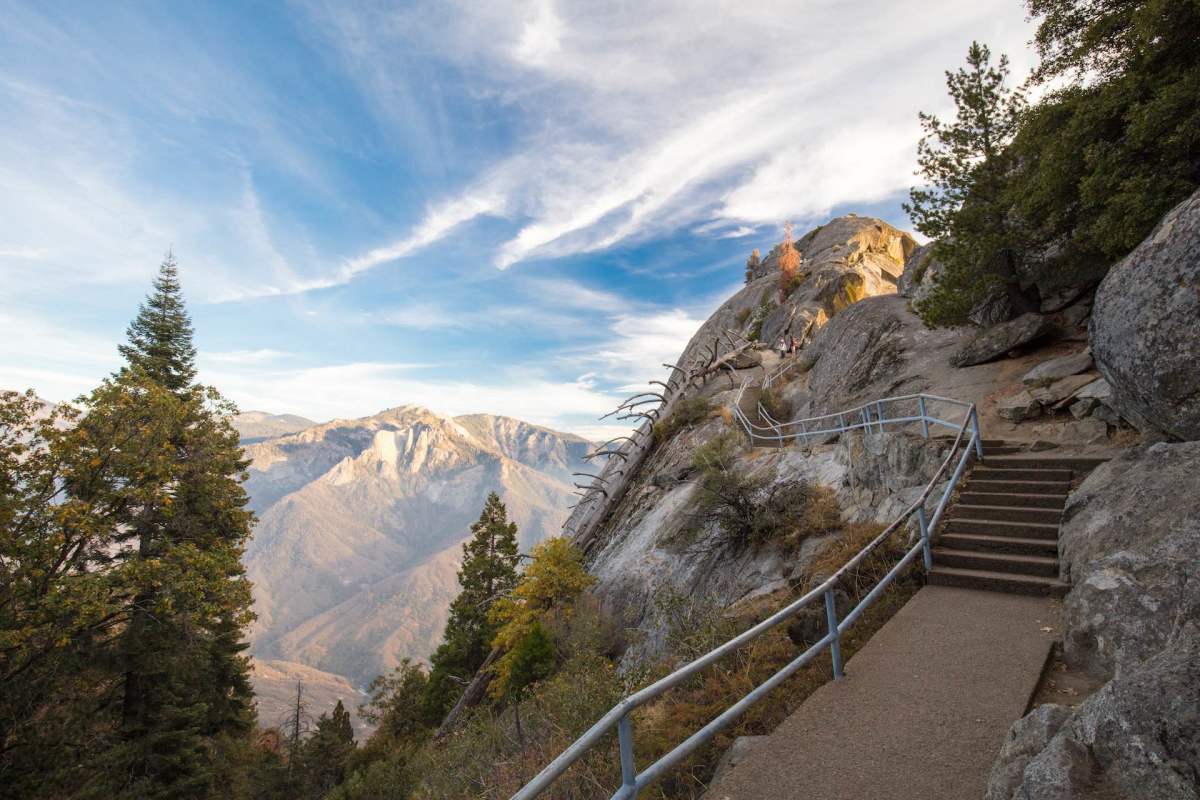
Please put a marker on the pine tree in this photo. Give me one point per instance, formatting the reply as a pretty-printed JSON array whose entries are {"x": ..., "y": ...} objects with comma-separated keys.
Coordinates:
[
  {"x": 160, "y": 337},
  {"x": 489, "y": 571},
  {"x": 327, "y": 752},
  {"x": 962, "y": 205}
]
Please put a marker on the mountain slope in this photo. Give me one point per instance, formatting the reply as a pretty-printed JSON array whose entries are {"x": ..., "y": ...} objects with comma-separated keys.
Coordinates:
[
  {"x": 256, "y": 426},
  {"x": 360, "y": 524}
]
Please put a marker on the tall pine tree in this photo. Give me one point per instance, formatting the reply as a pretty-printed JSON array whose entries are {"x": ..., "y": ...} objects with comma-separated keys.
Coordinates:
[
  {"x": 489, "y": 571},
  {"x": 160, "y": 337},
  {"x": 184, "y": 678},
  {"x": 963, "y": 205}
]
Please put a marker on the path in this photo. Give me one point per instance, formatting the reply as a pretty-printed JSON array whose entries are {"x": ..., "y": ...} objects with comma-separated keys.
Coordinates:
[{"x": 921, "y": 712}]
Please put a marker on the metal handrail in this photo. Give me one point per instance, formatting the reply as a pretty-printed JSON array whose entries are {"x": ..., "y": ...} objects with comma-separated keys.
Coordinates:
[{"x": 633, "y": 781}]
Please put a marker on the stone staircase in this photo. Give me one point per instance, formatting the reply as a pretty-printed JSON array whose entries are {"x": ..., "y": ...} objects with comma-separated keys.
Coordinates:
[{"x": 1002, "y": 532}]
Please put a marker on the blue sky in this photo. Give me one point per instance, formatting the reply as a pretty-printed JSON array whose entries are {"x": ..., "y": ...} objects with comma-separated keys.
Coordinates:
[{"x": 516, "y": 208}]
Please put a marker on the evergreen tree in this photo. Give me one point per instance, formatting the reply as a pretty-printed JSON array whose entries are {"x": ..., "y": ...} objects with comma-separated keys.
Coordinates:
[
  {"x": 963, "y": 204},
  {"x": 489, "y": 571},
  {"x": 327, "y": 752},
  {"x": 160, "y": 337}
]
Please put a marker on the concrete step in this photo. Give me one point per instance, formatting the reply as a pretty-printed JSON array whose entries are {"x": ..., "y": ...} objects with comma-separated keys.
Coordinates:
[
  {"x": 1054, "y": 501},
  {"x": 1003, "y": 544},
  {"x": 1046, "y": 566},
  {"x": 1017, "y": 487},
  {"x": 1045, "y": 516},
  {"x": 997, "y": 581},
  {"x": 999, "y": 450},
  {"x": 987, "y": 473},
  {"x": 1021, "y": 530},
  {"x": 1034, "y": 461}
]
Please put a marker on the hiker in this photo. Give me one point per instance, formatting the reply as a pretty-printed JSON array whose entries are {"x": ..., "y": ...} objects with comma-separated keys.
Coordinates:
[
  {"x": 795, "y": 345},
  {"x": 781, "y": 346}
]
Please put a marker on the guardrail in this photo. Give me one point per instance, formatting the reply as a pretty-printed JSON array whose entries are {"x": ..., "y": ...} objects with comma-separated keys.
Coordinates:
[{"x": 633, "y": 780}]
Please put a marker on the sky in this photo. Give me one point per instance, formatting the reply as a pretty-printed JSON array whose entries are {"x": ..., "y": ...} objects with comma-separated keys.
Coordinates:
[{"x": 519, "y": 208}]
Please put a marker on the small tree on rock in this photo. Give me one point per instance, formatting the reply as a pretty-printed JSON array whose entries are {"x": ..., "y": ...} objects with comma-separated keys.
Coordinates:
[{"x": 789, "y": 262}]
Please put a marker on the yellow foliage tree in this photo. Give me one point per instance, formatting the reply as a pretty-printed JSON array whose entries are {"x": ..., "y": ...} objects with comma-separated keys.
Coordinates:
[
  {"x": 789, "y": 262},
  {"x": 549, "y": 588}
]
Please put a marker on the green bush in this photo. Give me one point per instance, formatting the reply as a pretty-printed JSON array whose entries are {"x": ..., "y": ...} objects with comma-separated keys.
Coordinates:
[
  {"x": 751, "y": 510},
  {"x": 687, "y": 412}
]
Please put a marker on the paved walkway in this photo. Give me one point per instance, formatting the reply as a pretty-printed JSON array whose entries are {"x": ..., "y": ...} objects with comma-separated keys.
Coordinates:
[{"x": 921, "y": 713}]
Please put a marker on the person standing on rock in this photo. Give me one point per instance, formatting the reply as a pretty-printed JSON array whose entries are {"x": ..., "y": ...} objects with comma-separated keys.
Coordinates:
[
  {"x": 795, "y": 345},
  {"x": 781, "y": 346}
]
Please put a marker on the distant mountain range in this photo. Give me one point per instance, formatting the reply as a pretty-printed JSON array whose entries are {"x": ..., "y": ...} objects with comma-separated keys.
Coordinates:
[{"x": 360, "y": 524}]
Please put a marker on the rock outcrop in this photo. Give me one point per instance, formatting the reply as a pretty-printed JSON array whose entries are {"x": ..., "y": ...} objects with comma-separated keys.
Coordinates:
[
  {"x": 843, "y": 261},
  {"x": 1129, "y": 544},
  {"x": 1144, "y": 332},
  {"x": 1136, "y": 737},
  {"x": 996, "y": 341},
  {"x": 921, "y": 273}
]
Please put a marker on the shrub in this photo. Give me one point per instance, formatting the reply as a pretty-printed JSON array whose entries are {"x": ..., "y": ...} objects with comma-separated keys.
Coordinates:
[
  {"x": 687, "y": 412},
  {"x": 750, "y": 509}
]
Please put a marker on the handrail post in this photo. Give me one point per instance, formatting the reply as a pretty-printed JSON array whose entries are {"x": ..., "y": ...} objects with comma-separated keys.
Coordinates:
[
  {"x": 835, "y": 645},
  {"x": 976, "y": 435},
  {"x": 879, "y": 408},
  {"x": 925, "y": 551},
  {"x": 924, "y": 416},
  {"x": 628, "y": 768},
  {"x": 866, "y": 417}
]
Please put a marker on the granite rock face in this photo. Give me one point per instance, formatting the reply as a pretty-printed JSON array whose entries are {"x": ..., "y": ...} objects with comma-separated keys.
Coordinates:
[
  {"x": 1138, "y": 736},
  {"x": 856, "y": 349},
  {"x": 921, "y": 273},
  {"x": 1130, "y": 546},
  {"x": 1027, "y": 738},
  {"x": 1144, "y": 332},
  {"x": 994, "y": 342},
  {"x": 843, "y": 261}
]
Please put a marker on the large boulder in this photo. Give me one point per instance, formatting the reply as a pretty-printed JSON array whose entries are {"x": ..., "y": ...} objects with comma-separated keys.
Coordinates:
[
  {"x": 994, "y": 342},
  {"x": 859, "y": 347},
  {"x": 1144, "y": 332},
  {"x": 1027, "y": 737},
  {"x": 1130, "y": 547},
  {"x": 1136, "y": 737}
]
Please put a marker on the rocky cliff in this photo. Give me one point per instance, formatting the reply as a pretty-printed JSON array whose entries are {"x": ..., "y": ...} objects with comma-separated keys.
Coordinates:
[{"x": 355, "y": 552}]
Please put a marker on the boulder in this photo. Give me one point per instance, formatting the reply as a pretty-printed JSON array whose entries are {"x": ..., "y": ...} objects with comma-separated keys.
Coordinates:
[
  {"x": 997, "y": 307},
  {"x": 1021, "y": 406},
  {"x": 992, "y": 343},
  {"x": 1129, "y": 545},
  {"x": 747, "y": 359},
  {"x": 1138, "y": 736},
  {"x": 1143, "y": 330},
  {"x": 859, "y": 346},
  {"x": 1061, "y": 367},
  {"x": 1026, "y": 738},
  {"x": 1081, "y": 408},
  {"x": 1055, "y": 391}
]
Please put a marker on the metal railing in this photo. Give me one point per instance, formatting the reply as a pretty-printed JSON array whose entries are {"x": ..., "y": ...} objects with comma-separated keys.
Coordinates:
[{"x": 619, "y": 717}]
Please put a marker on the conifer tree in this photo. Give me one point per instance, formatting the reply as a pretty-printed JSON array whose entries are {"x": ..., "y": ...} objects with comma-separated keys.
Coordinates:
[
  {"x": 489, "y": 571},
  {"x": 160, "y": 337},
  {"x": 327, "y": 752},
  {"x": 964, "y": 163}
]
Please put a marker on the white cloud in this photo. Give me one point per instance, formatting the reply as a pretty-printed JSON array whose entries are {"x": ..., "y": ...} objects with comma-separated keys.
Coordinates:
[{"x": 682, "y": 114}]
